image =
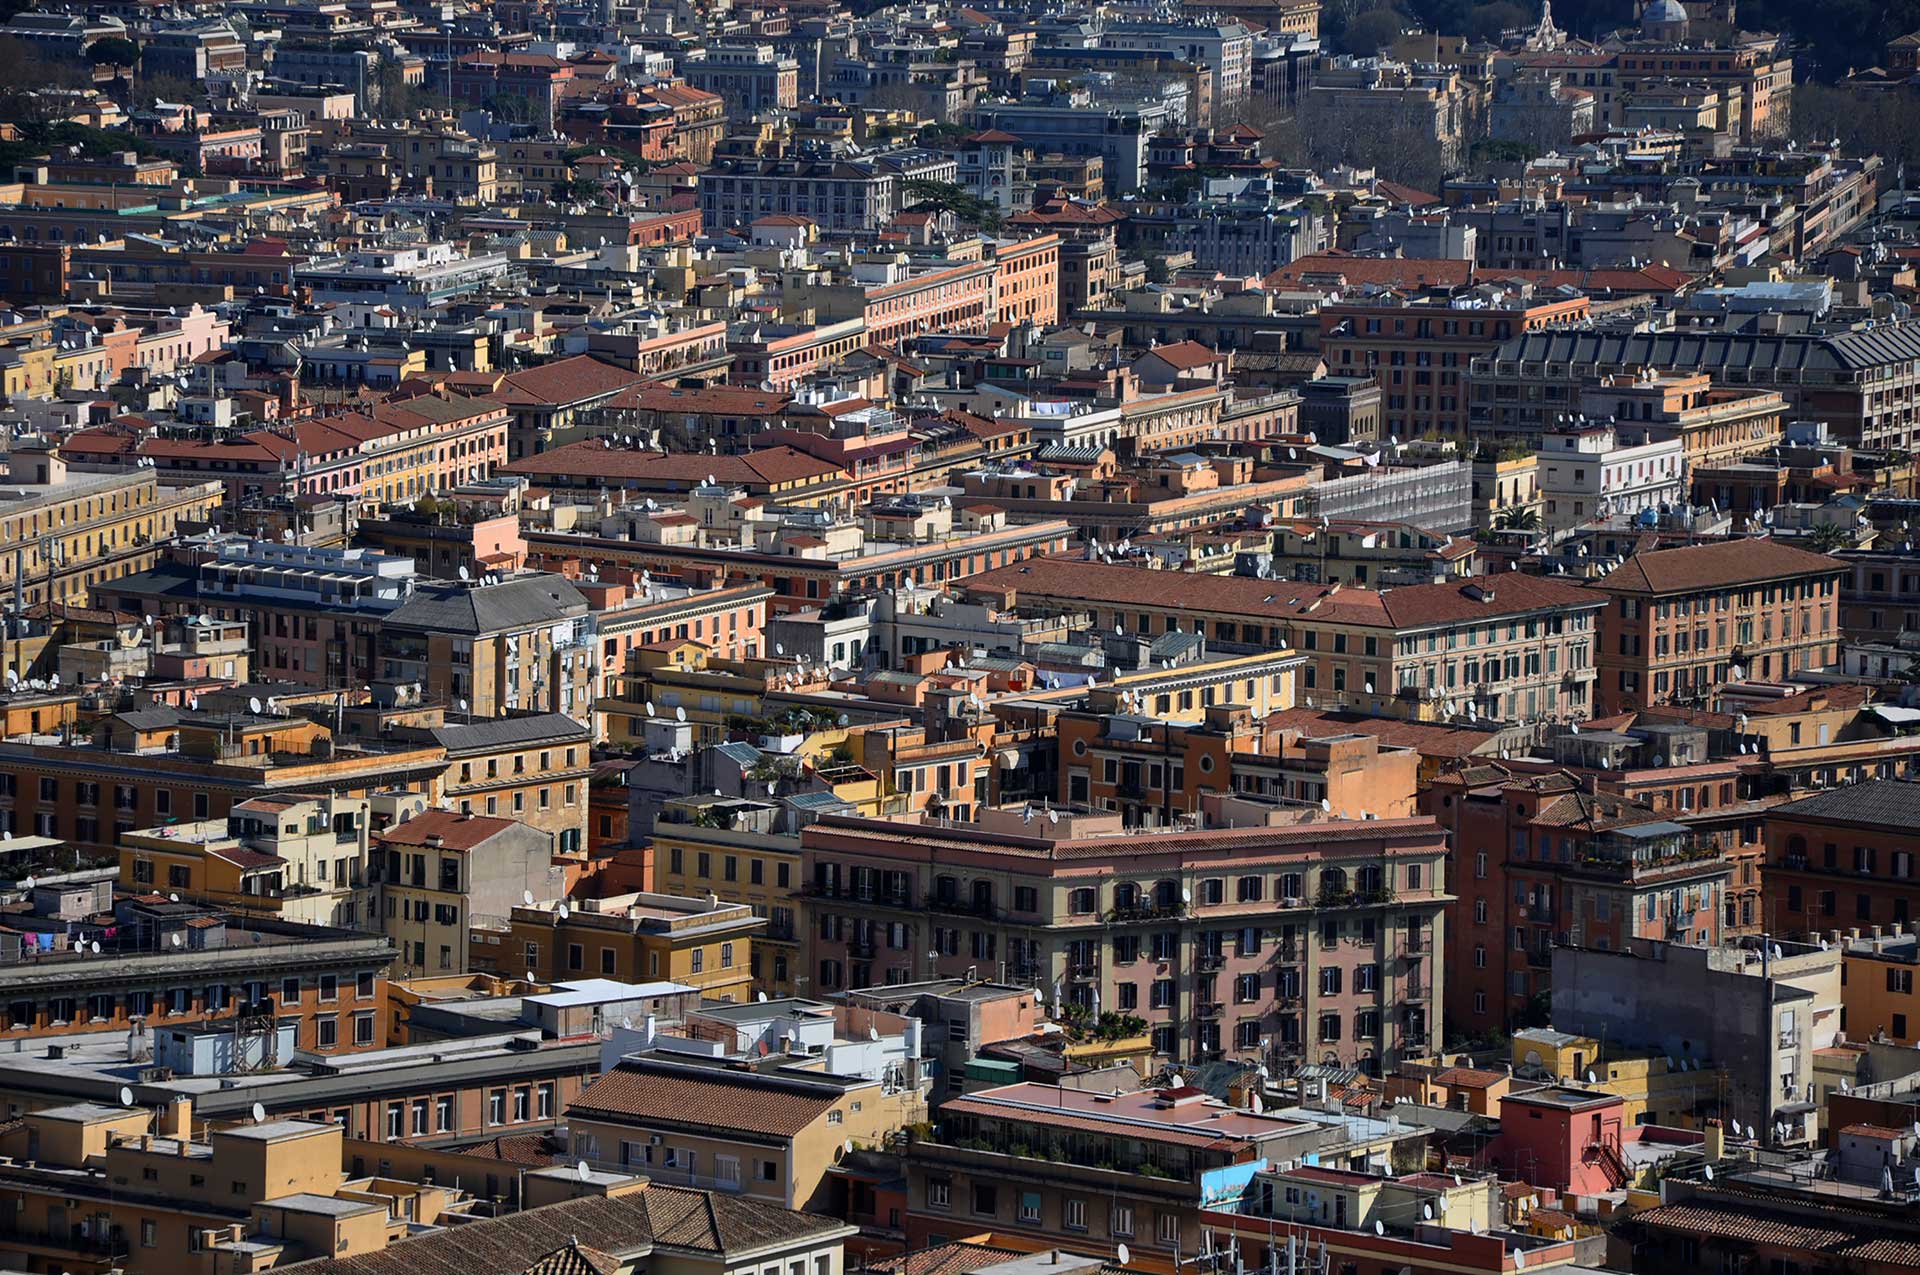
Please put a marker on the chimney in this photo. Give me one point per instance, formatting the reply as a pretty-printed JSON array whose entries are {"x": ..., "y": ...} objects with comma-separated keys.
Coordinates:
[
  {"x": 1715, "y": 1145},
  {"x": 176, "y": 1119}
]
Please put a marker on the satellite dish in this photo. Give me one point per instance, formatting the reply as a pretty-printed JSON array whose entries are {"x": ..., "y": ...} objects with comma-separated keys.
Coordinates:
[
  {"x": 1326, "y": 806},
  {"x": 1186, "y": 895},
  {"x": 173, "y": 898},
  {"x": 649, "y": 708},
  {"x": 259, "y": 1113},
  {"x": 1053, "y": 816},
  {"x": 1591, "y": 1078},
  {"x": 1519, "y": 1260},
  {"x": 526, "y": 897},
  {"x": 1426, "y": 1211},
  {"x": 679, "y": 714},
  {"x": 561, "y": 912},
  {"x": 465, "y": 574},
  {"x": 1709, "y": 1173},
  {"x": 762, "y": 998},
  {"x": 1124, "y": 1254},
  {"x": 779, "y": 648},
  {"x": 176, "y": 940},
  {"x": 94, "y": 947},
  {"x": 581, "y": 1171},
  {"x": 253, "y": 704},
  {"x": 1379, "y": 1228},
  {"x": 126, "y": 1096}
]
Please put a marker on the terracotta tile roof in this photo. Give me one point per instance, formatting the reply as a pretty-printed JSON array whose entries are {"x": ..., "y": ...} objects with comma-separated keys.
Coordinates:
[
  {"x": 625, "y": 1225},
  {"x": 1278, "y": 600},
  {"x": 456, "y": 831},
  {"x": 588, "y": 459},
  {"x": 1469, "y": 1078},
  {"x": 722, "y": 1101},
  {"x": 1385, "y": 272},
  {"x": 1401, "y": 194},
  {"x": 948, "y": 1259},
  {"x": 1185, "y": 355},
  {"x": 564, "y": 381},
  {"x": 1465, "y": 601},
  {"x": 1726, "y": 1220},
  {"x": 720, "y": 399},
  {"x": 1429, "y": 739},
  {"x": 575, "y": 1258},
  {"x": 1712, "y": 566}
]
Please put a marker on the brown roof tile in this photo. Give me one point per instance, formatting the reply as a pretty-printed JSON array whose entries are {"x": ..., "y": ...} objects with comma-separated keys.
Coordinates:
[{"x": 722, "y": 1101}]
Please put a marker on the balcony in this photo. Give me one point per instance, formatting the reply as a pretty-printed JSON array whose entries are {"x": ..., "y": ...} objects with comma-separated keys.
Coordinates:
[
  {"x": 1145, "y": 912},
  {"x": 1211, "y": 962},
  {"x": 1084, "y": 970},
  {"x": 959, "y": 906},
  {"x": 1540, "y": 959},
  {"x": 1212, "y": 1009},
  {"x": 111, "y": 1249}
]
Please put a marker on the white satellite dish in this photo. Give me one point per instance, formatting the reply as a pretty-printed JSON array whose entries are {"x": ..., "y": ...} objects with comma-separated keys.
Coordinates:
[
  {"x": 526, "y": 897},
  {"x": 259, "y": 1113},
  {"x": 1379, "y": 1228},
  {"x": 94, "y": 947},
  {"x": 561, "y": 912},
  {"x": 649, "y": 708},
  {"x": 1519, "y": 1260},
  {"x": 465, "y": 574},
  {"x": 126, "y": 1096},
  {"x": 1591, "y": 1078},
  {"x": 581, "y": 1171},
  {"x": 1426, "y": 1211},
  {"x": 1709, "y": 1173},
  {"x": 762, "y": 998},
  {"x": 173, "y": 898},
  {"x": 1053, "y": 816},
  {"x": 679, "y": 714},
  {"x": 253, "y": 704},
  {"x": 1326, "y": 806},
  {"x": 1124, "y": 1254},
  {"x": 177, "y": 940}
]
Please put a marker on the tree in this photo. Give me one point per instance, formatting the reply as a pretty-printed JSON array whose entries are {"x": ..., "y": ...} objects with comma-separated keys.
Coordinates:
[
  {"x": 1520, "y": 520},
  {"x": 1373, "y": 31},
  {"x": 923, "y": 194},
  {"x": 1829, "y": 537},
  {"x": 113, "y": 50}
]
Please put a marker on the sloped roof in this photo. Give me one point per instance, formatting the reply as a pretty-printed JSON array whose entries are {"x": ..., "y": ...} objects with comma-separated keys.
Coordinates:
[
  {"x": 1713, "y": 566},
  {"x": 517, "y": 603},
  {"x": 721, "y": 1101}
]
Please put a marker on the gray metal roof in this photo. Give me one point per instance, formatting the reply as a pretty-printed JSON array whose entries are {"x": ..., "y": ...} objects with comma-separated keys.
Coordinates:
[
  {"x": 1845, "y": 351},
  {"x": 1894, "y": 803},
  {"x": 498, "y": 732},
  {"x": 523, "y": 602}
]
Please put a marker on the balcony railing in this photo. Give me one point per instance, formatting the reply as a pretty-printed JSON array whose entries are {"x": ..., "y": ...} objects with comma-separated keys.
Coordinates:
[{"x": 1211, "y": 962}]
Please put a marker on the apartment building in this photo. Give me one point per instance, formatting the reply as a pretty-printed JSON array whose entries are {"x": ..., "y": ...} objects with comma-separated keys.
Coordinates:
[
  {"x": 439, "y": 870},
  {"x": 1052, "y": 1164},
  {"x": 1420, "y": 350},
  {"x": 750, "y": 78},
  {"x": 1843, "y": 859},
  {"x": 896, "y": 296},
  {"x": 1512, "y": 646},
  {"x": 1303, "y": 941},
  {"x": 491, "y": 647},
  {"x": 1603, "y": 470},
  {"x": 531, "y": 768},
  {"x": 770, "y": 1125},
  {"x": 637, "y": 937},
  {"x": 1026, "y": 283},
  {"x": 67, "y": 533},
  {"x": 759, "y": 868},
  {"x": 165, "y": 964},
  {"x": 1716, "y": 425},
  {"x": 146, "y": 767},
  {"x": 1679, "y": 623},
  {"x": 94, "y": 1187},
  {"x": 1860, "y": 384},
  {"x": 1539, "y": 860},
  {"x": 293, "y": 858},
  {"x": 1156, "y": 772},
  {"x": 312, "y": 613},
  {"x": 860, "y": 194}
]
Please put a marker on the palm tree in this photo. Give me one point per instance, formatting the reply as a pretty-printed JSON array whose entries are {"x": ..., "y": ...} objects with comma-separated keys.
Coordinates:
[{"x": 1519, "y": 520}]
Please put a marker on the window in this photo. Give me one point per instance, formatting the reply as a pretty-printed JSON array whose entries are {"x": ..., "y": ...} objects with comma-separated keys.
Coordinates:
[
  {"x": 496, "y": 1106},
  {"x": 1120, "y": 1221},
  {"x": 363, "y": 1030},
  {"x": 1169, "y": 1226},
  {"x": 939, "y": 1193},
  {"x": 443, "y": 1115},
  {"x": 1073, "y": 1215},
  {"x": 327, "y": 1032}
]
